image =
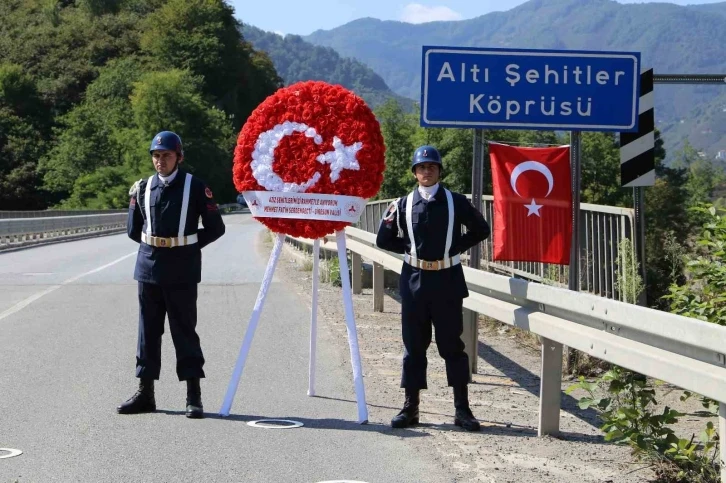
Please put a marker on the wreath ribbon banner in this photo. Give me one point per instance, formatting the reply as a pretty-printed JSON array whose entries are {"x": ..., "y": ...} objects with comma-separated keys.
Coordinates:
[{"x": 305, "y": 206}]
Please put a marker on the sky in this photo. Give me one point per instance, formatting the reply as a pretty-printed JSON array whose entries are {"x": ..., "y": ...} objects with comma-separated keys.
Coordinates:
[{"x": 304, "y": 17}]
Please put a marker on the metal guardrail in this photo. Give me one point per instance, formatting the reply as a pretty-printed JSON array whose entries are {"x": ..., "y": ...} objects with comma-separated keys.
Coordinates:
[
  {"x": 602, "y": 228},
  {"x": 685, "y": 352},
  {"x": 55, "y": 213},
  {"x": 21, "y": 228},
  {"x": 24, "y": 231}
]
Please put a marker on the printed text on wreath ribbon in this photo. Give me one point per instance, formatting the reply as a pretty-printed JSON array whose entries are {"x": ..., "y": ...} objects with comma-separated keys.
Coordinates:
[{"x": 308, "y": 206}]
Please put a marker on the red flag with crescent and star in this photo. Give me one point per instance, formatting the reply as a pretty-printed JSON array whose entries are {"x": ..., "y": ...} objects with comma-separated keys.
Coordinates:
[{"x": 532, "y": 203}]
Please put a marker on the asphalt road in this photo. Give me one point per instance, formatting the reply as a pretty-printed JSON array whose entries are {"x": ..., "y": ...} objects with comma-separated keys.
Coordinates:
[{"x": 68, "y": 325}]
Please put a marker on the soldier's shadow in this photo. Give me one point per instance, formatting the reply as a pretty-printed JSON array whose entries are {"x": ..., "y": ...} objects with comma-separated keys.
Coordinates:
[{"x": 311, "y": 423}]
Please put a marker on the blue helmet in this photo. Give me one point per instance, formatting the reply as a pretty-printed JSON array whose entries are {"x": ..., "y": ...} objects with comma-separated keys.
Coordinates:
[
  {"x": 167, "y": 140},
  {"x": 426, "y": 154}
]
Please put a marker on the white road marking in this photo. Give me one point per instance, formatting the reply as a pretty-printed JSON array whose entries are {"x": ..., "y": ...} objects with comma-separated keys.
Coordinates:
[
  {"x": 13, "y": 452},
  {"x": 24, "y": 303}
]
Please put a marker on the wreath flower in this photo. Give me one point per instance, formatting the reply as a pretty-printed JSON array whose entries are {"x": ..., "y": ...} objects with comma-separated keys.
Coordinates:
[{"x": 310, "y": 137}]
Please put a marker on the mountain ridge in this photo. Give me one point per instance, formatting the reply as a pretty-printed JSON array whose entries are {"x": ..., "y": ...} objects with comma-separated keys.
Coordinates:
[
  {"x": 297, "y": 60},
  {"x": 671, "y": 39}
]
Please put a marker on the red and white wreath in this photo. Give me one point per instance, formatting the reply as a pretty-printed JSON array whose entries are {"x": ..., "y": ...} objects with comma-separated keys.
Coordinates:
[{"x": 310, "y": 137}]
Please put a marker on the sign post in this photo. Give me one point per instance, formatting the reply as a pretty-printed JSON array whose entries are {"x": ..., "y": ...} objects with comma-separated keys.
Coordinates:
[
  {"x": 471, "y": 319},
  {"x": 573, "y": 277},
  {"x": 637, "y": 167},
  {"x": 551, "y": 90}
]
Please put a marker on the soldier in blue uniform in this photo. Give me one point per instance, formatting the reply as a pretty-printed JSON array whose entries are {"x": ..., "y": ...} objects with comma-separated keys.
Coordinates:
[
  {"x": 164, "y": 214},
  {"x": 426, "y": 227}
]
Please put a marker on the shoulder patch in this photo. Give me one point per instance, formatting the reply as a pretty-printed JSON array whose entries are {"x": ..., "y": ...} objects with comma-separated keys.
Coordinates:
[{"x": 208, "y": 192}]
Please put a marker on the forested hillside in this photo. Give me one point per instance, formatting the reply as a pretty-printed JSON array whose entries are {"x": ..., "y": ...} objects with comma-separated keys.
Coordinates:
[
  {"x": 297, "y": 60},
  {"x": 85, "y": 84}
]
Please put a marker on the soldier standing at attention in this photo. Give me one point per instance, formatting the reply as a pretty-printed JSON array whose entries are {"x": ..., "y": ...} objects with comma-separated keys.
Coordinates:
[
  {"x": 164, "y": 214},
  {"x": 426, "y": 226}
]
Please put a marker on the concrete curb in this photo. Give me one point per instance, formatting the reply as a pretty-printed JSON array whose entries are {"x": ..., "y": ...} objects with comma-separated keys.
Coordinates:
[{"x": 60, "y": 239}]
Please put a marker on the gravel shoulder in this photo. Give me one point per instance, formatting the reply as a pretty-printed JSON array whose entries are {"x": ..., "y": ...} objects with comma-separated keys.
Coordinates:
[{"x": 503, "y": 396}]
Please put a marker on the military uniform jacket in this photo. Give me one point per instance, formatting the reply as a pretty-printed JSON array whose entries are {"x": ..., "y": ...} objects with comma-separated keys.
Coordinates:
[
  {"x": 180, "y": 264},
  {"x": 429, "y": 221}
]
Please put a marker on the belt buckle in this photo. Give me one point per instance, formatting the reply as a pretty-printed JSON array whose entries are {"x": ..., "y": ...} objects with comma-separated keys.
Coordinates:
[
  {"x": 429, "y": 265},
  {"x": 164, "y": 242}
]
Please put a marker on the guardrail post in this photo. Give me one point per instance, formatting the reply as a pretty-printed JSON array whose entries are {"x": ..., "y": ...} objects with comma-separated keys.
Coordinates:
[
  {"x": 356, "y": 272},
  {"x": 470, "y": 336},
  {"x": 722, "y": 438},
  {"x": 550, "y": 388},
  {"x": 378, "y": 275}
]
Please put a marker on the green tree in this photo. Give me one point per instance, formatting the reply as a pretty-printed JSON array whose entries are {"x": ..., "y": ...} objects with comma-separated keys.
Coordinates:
[
  {"x": 172, "y": 101},
  {"x": 454, "y": 145},
  {"x": 667, "y": 227},
  {"x": 704, "y": 175},
  {"x": 97, "y": 8},
  {"x": 204, "y": 37},
  {"x": 543, "y": 138},
  {"x": 95, "y": 133},
  {"x": 21, "y": 140},
  {"x": 397, "y": 130},
  {"x": 456, "y": 148},
  {"x": 263, "y": 81},
  {"x": 103, "y": 189},
  {"x": 601, "y": 170},
  {"x": 62, "y": 47},
  {"x": 702, "y": 294},
  {"x": 74, "y": 132}
]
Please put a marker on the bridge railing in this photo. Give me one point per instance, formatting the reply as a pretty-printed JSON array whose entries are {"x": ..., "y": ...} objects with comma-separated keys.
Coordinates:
[
  {"x": 602, "y": 228},
  {"x": 15, "y": 232},
  {"x": 55, "y": 213},
  {"x": 688, "y": 353},
  {"x": 23, "y": 228}
]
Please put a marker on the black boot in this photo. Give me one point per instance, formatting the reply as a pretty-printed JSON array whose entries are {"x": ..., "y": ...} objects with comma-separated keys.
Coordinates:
[
  {"x": 409, "y": 414},
  {"x": 463, "y": 416},
  {"x": 141, "y": 402},
  {"x": 194, "y": 399}
]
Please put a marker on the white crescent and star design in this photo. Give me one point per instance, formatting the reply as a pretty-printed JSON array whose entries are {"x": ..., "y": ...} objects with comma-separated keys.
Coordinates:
[
  {"x": 263, "y": 158},
  {"x": 532, "y": 208}
]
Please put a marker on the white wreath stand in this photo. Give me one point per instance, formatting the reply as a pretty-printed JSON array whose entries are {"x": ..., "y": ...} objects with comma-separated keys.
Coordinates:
[{"x": 349, "y": 320}]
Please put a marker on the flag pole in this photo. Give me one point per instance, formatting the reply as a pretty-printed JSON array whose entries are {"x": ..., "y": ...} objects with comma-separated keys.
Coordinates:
[{"x": 574, "y": 271}]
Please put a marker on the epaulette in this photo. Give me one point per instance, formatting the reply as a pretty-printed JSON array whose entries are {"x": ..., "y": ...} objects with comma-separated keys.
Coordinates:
[
  {"x": 135, "y": 188},
  {"x": 391, "y": 211}
]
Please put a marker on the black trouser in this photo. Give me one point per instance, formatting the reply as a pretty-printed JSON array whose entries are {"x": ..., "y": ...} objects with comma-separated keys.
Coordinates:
[
  {"x": 447, "y": 318},
  {"x": 179, "y": 302}
]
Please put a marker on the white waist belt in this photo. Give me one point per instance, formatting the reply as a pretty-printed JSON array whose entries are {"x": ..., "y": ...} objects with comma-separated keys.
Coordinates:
[
  {"x": 170, "y": 242},
  {"x": 447, "y": 262}
]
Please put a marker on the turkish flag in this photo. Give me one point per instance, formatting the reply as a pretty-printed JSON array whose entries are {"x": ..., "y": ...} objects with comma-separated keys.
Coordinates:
[{"x": 532, "y": 203}]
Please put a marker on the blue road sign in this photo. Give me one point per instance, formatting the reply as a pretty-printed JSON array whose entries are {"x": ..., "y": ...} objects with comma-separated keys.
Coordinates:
[{"x": 530, "y": 89}]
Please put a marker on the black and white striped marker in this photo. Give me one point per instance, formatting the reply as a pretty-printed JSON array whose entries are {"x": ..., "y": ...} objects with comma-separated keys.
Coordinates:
[{"x": 637, "y": 149}]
